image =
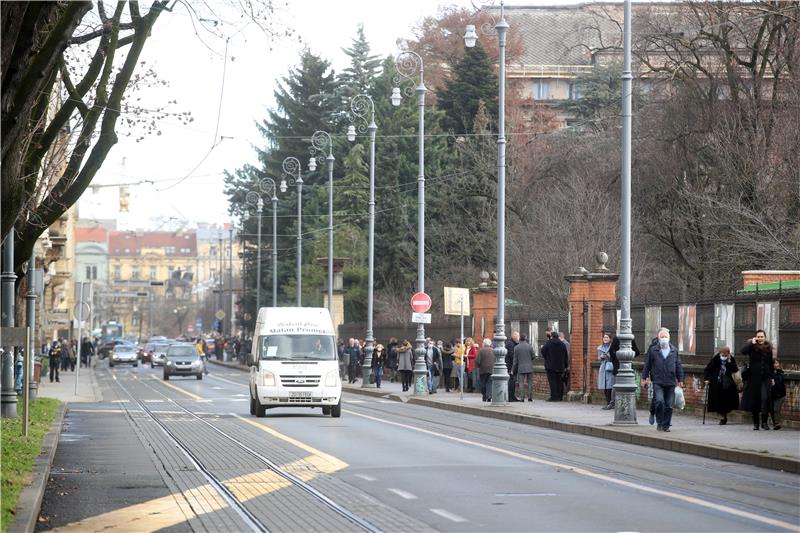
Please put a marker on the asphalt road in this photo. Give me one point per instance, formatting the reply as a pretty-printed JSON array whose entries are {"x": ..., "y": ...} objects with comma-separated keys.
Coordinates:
[{"x": 387, "y": 466}]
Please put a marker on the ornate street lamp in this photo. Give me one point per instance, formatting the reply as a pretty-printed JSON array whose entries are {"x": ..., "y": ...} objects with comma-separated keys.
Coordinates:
[
  {"x": 266, "y": 186},
  {"x": 292, "y": 169},
  {"x": 320, "y": 141},
  {"x": 360, "y": 107},
  {"x": 500, "y": 371},
  {"x": 409, "y": 64}
]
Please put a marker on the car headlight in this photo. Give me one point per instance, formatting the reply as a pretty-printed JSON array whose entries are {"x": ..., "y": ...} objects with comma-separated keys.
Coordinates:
[
  {"x": 170, "y": 363},
  {"x": 266, "y": 379},
  {"x": 332, "y": 378}
]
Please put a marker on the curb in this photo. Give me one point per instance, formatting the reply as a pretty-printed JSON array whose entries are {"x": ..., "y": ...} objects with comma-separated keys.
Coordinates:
[
  {"x": 29, "y": 503},
  {"x": 702, "y": 450},
  {"x": 229, "y": 364}
]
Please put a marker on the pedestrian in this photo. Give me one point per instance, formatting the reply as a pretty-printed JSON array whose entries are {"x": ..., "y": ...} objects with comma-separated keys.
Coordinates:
[
  {"x": 758, "y": 378},
  {"x": 353, "y": 350},
  {"x": 19, "y": 365},
  {"x": 663, "y": 365},
  {"x": 378, "y": 363},
  {"x": 405, "y": 363},
  {"x": 522, "y": 366},
  {"x": 344, "y": 358},
  {"x": 778, "y": 394},
  {"x": 219, "y": 347},
  {"x": 485, "y": 363},
  {"x": 433, "y": 362},
  {"x": 447, "y": 363},
  {"x": 87, "y": 351},
  {"x": 458, "y": 363},
  {"x": 471, "y": 352},
  {"x": 391, "y": 358},
  {"x": 511, "y": 344},
  {"x": 54, "y": 358},
  {"x": 556, "y": 362},
  {"x": 722, "y": 396},
  {"x": 605, "y": 376}
]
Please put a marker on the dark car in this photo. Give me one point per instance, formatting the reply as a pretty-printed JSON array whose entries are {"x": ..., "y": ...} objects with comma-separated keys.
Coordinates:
[{"x": 183, "y": 359}]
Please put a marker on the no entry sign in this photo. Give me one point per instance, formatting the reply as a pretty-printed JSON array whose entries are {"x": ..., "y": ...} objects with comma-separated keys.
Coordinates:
[{"x": 420, "y": 302}]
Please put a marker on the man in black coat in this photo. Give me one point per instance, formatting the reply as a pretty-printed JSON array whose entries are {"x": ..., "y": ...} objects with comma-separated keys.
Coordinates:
[
  {"x": 511, "y": 344},
  {"x": 556, "y": 362}
]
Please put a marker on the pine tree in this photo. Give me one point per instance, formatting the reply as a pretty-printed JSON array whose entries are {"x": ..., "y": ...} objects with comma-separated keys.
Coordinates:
[
  {"x": 360, "y": 76},
  {"x": 473, "y": 82}
]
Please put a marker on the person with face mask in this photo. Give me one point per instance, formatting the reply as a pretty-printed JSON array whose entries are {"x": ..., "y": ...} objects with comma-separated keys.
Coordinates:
[
  {"x": 663, "y": 366},
  {"x": 759, "y": 377},
  {"x": 718, "y": 377}
]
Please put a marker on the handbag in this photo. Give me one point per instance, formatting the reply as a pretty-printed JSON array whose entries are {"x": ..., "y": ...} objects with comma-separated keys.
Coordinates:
[
  {"x": 737, "y": 379},
  {"x": 680, "y": 399}
]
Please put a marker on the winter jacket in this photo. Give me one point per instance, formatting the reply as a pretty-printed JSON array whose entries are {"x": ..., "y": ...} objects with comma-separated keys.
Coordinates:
[
  {"x": 667, "y": 372},
  {"x": 485, "y": 360},
  {"x": 523, "y": 359},
  {"x": 405, "y": 357},
  {"x": 555, "y": 355}
]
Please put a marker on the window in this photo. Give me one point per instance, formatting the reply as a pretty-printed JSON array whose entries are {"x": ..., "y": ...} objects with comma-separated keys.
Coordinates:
[
  {"x": 117, "y": 272},
  {"x": 153, "y": 272},
  {"x": 169, "y": 250},
  {"x": 88, "y": 272},
  {"x": 574, "y": 91},
  {"x": 212, "y": 273},
  {"x": 135, "y": 272},
  {"x": 541, "y": 89},
  {"x": 189, "y": 268},
  {"x": 212, "y": 251},
  {"x": 185, "y": 250}
]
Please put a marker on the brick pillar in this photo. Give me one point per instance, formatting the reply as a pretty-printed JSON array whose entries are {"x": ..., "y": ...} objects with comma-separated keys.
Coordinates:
[
  {"x": 588, "y": 292},
  {"x": 484, "y": 308}
]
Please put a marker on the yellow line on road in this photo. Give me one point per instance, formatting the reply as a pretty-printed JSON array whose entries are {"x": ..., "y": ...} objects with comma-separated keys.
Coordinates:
[
  {"x": 171, "y": 386},
  {"x": 588, "y": 473},
  {"x": 324, "y": 462}
]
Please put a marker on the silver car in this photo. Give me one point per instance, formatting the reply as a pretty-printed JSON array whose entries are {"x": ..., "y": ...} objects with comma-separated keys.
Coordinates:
[
  {"x": 158, "y": 355},
  {"x": 183, "y": 359},
  {"x": 123, "y": 353}
]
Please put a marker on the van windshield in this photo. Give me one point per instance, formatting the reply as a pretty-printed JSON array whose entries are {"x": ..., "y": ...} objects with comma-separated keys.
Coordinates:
[{"x": 297, "y": 348}]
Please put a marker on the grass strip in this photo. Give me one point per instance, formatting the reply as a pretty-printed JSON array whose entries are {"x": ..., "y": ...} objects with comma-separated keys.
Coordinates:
[{"x": 17, "y": 453}]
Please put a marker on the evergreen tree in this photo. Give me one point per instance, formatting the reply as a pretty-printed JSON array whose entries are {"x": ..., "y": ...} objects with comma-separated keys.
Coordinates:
[
  {"x": 596, "y": 97},
  {"x": 360, "y": 76},
  {"x": 473, "y": 82}
]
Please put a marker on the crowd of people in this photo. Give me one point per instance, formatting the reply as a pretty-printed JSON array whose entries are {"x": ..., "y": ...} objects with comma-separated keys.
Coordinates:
[
  {"x": 447, "y": 364},
  {"x": 63, "y": 355}
]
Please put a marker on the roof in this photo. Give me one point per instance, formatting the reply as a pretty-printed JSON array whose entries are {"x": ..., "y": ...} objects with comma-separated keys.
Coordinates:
[
  {"x": 128, "y": 243},
  {"x": 93, "y": 234}
]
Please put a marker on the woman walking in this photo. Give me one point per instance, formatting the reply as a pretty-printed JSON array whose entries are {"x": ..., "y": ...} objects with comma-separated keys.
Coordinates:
[
  {"x": 718, "y": 375},
  {"x": 378, "y": 362},
  {"x": 405, "y": 363},
  {"x": 470, "y": 353},
  {"x": 605, "y": 377},
  {"x": 759, "y": 379}
]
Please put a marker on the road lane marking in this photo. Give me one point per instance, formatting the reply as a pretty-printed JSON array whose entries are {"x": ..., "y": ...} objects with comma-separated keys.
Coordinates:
[
  {"x": 96, "y": 410},
  {"x": 365, "y": 477},
  {"x": 171, "y": 386},
  {"x": 216, "y": 388},
  {"x": 330, "y": 461},
  {"x": 603, "y": 477},
  {"x": 447, "y": 514},
  {"x": 403, "y": 494},
  {"x": 238, "y": 384},
  {"x": 355, "y": 401}
]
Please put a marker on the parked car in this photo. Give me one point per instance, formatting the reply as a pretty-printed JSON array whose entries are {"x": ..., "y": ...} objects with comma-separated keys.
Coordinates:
[
  {"x": 123, "y": 353},
  {"x": 158, "y": 353},
  {"x": 183, "y": 359}
]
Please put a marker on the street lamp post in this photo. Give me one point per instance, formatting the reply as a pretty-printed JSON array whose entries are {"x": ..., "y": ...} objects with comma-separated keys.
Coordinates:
[
  {"x": 321, "y": 140},
  {"x": 8, "y": 396},
  {"x": 291, "y": 166},
  {"x": 625, "y": 383},
  {"x": 500, "y": 371},
  {"x": 407, "y": 64},
  {"x": 266, "y": 186},
  {"x": 359, "y": 106}
]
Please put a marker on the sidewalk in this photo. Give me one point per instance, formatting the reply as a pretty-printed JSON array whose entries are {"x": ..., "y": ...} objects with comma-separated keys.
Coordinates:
[
  {"x": 735, "y": 442},
  {"x": 88, "y": 389}
]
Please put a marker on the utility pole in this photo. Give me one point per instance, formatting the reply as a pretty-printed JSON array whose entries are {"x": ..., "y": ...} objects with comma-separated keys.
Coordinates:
[{"x": 8, "y": 396}]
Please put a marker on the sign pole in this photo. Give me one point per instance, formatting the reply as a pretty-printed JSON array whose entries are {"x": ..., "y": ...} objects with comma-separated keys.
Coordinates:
[{"x": 461, "y": 371}]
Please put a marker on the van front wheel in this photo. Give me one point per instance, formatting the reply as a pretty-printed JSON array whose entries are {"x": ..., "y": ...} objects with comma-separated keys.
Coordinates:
[
  {"x": 326, "y": 410},
  {"x": 261, "y": 410},
  {"x": 336, "y": 410}
]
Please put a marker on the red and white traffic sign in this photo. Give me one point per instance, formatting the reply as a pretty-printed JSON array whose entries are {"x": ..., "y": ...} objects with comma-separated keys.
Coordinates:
[{"x": 420, "y": 302}]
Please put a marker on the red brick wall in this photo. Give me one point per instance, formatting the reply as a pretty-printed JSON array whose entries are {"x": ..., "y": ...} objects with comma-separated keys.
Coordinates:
[
  {"x": 769, "y": 276},
  {"x": 484, "y": 306}
]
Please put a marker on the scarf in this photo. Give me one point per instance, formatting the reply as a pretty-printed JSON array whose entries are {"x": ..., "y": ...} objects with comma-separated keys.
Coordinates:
[{"x": 721, "y": 375}]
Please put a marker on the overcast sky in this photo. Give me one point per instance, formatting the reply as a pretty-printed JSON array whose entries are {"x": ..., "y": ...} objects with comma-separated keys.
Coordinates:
[{"x": 186, "y": 162}]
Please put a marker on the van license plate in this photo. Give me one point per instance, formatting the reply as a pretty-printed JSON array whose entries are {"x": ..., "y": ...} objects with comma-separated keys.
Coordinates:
[{"x": 300, "y": 394}]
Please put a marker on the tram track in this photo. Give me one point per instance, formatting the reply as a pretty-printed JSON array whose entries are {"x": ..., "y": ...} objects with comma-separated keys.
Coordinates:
[{"x": 219, "y": 485}]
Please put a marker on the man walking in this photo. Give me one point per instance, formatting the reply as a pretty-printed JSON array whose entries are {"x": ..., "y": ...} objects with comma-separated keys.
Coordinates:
[
  {"x": 353, "y": 352},
  {"x": 555, "y": 363},
  {"x": 511, "y": 344},
  {"x": 663, "y": 365},
  {"x": 522, "y": 367},
  {"x": 485, "y": 363}
]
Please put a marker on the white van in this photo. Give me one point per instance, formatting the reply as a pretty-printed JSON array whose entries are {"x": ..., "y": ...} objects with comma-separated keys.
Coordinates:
[{"x": 294, "y": 362}]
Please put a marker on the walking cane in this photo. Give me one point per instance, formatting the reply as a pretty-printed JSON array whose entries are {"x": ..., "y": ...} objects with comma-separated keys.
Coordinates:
[{"x": 705, "y": 405}]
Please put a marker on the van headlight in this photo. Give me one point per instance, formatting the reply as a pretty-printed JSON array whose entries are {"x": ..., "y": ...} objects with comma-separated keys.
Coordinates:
[
  {"x": 266, "y": 378},
  {"x": 331, "y": 379}
]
